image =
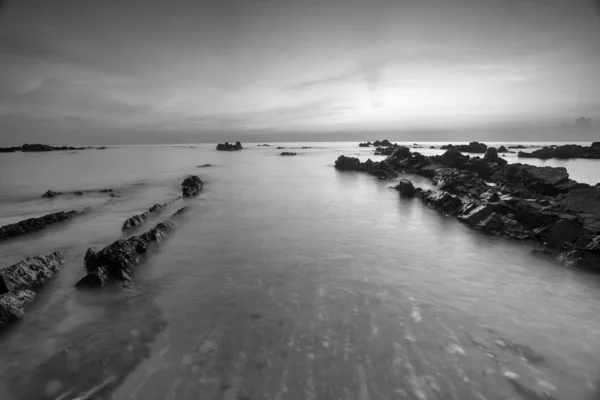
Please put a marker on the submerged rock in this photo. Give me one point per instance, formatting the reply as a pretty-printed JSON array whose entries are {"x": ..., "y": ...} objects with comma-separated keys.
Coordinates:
[
  {"x": 472, "y": 147},
  {"x": 35, "y": 224},
  {"x": 191, "y": 186},
  {"x": 229, "y": 147},
  {"x": 120, "y": 258},
  {"x": 287, "y": 153},
  {"x": 204, "y": 165},
  {"x": 52, "y": 194},
  {"x": 138, "y": 220}
]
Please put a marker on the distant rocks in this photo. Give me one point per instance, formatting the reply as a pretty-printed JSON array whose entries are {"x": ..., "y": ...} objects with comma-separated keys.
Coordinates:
[
  {"x": 191, "y": 186},
  {"x": 519, "y": 146},
  {"x": 473, "y": 147},
  {"x": 264, "y": 145},
  {"x": 306, "y": 147},
  {"x": 35, "y": 224},
  {"x": 36, "y": 147},
  {"x": 50, "y": 194},
  {"x": 502, "y": 149},
  {"x": 367, "y": 144},
  {"x": 377, "y": 143},
  {"x": 204, "y": 165},
  {"x": 120, "y": 258},
  {"x": 281, "y": 148},
  {"x": 287, "y": 153},
  {"x": 229, "y": 147},
  {"x": 564, "y": 152},
  {"x": 16, "y": 282}
]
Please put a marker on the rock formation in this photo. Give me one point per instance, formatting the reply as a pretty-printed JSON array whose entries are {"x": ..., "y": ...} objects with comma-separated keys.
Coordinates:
[
  {"x": 17, "y": 280},
  {"x": 563, "y": 152},
  {"x": 35, "y": 224},
  {"x": 120, "y": 258},
  {"x": 138, "y": 220},
  {"x": 287, "y": 153},
  {"x": 191, "y": 186},
  {"x": 229, "y": 147}
]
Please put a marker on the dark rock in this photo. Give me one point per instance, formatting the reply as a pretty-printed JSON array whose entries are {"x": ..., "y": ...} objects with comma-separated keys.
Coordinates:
[
  {"x": 406, "y": 188},
  {"x": 306, "y": 147},
  {"x": 137, "y": 220},
  {"x": 491, "y": 155},
  {"x": 563, "y": 152},
  {"x": 9, "y": 149},
  {"x": 385, "y": 151},
  {"x": 473, "y": 147},
  {"x": 281, "y": 148},
  {"x": 120, "y": 258},
  {"x": 596, "y": 145},
  {"x": 442, "y": 201},
  {"x": 229, "y": 147},
  {"x": 432, "y": 147},
  {"x": 502, "y": 149},
  {"x": 520, "y": 146},
  {"x": 287, "y": 153},
  {"x": 204, "y": 166},
  {"x": 30, "y": 272},
  {"x": 36, "y": 224},
  {"x": 398, "y": 154},
  {"x": 364, "y": 144},
  {"x": 50, "y": 194},
  {"x": 12, "y": 305},
  {"x": 191, "y": 186},
  {"x": 382, "y": 143},
  {"x": 344, "y": 163}
]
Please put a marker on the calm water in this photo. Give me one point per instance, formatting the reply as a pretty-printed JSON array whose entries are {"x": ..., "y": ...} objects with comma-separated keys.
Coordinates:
[{"x": 288, "y": 280}]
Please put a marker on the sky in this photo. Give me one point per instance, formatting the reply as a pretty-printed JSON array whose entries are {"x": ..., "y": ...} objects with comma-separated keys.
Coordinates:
[{"x": 146, "y": 71}]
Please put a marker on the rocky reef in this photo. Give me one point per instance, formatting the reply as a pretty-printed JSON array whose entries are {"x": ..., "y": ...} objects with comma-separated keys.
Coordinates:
[
  {"x": 514, "y": 200},
  {"x": 36, "y": 147},
  {"x": 229, "y": 147},
  {"x": 50, "y": 194},
  {"x": 120, "y": 258},
  {"x": 35, "y": 224},
  {"x": 564, "y": 152},
  {"x": 191, "y": 186},
  {"x": 138, "y": 220},
  {"x": 287, "y": 153},
  {"x": 473, "y": 147},
  {"x": 18, "y": 280},
  {"x": 377, "y": 143}
]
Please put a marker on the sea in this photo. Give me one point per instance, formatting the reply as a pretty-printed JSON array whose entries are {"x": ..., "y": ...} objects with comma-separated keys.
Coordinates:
[{"x": 287, "y": 279}]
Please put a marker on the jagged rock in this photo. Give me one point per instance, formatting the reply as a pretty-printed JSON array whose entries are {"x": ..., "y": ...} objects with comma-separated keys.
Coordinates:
[
  {"x": 191, "y": 186},
  {"x": 344, "y": 163},
  {"x": 398, "y": 154},
  {"x": 365, "y": 144},
  {"x": 406, "y": 188},
  {"x": 12, "y": 304},
  {"x": 138, "y": 220},
  {"x": 36, "y": 224},
  {"x": 287, "y": 153},
  {"x": 596, "y": 145},
  {"x": 384, "y": 151},
  {"x": 229, "y": 147},
  {"x": 120, "y": 258},
  {"x": 29, "y": 272},
  {"x": 443, "y": 201},
  {"x": 9, "y": 149},
  {"x": 475, "y": 214},
  {"x": 502, "y": 149},
  {"x": 563, "y": 152}
]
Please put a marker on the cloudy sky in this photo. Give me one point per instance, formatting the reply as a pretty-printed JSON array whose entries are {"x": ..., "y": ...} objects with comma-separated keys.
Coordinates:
[{"x": 145, "y": 71}]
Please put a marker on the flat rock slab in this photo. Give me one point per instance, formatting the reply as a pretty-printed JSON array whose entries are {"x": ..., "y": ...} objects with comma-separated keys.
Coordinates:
[{"x": 36, "y": 224}]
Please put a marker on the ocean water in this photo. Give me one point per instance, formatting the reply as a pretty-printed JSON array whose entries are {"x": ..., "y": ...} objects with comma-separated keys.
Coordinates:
[{"x": 288, "y": 279}]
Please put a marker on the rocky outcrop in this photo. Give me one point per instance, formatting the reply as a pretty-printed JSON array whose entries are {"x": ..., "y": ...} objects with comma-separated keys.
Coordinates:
[
  {"x": 138, "y": 220},
  {"x": 191, "y": 186},
  {"x": 118, "y": 260},
  {"x": 596, "y": 145},
  {"x": 367, "y": 144},
  {"x": 50, "y": 194},
  {"x": 36, "y": 224},
  {"x": 406, "y": 188},
  {"x": 513, "y": 200},
  {"x": 502, "y": 149},
  {"x": 229, "y": 147},
  {"x": 563, "y": 152},
  {"x": 36, "y": 147},
  {"x": 473, "y": 147},
  {"x": 17, "y": 280},
  {"x": 204, "y": 165},
  {"x": 287, "y": 153},
  {"x": 344, "y": 163}
]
